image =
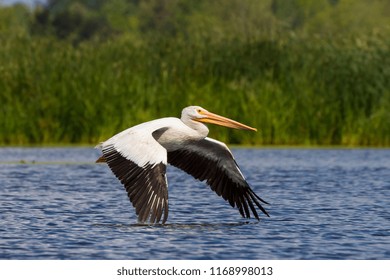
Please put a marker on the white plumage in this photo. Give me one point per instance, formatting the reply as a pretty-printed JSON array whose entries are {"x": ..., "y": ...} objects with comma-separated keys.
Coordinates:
[{"x": 138, "y": 157}]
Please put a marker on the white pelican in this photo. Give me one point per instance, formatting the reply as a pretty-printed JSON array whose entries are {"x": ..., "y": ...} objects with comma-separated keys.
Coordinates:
[{"x": 138, "y": 157}]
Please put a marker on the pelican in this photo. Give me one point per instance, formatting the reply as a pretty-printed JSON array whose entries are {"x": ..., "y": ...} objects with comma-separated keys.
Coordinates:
[{"x": 138, "y": 157}]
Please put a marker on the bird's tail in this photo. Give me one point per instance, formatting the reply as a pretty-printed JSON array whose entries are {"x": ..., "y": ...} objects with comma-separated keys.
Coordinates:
[{"x": 101, "y": 159}]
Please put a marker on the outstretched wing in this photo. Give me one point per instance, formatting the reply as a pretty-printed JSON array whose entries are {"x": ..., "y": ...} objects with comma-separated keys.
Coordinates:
[
  {"x": 139, "y": 162},
  {"x": 211, "y": 160}
]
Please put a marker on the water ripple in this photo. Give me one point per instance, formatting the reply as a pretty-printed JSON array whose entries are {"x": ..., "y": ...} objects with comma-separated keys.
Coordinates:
[{"x": 325, "y": 204}]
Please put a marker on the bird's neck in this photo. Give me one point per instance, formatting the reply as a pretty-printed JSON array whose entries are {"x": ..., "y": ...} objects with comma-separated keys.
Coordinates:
[{"x": 199, "y": 128}]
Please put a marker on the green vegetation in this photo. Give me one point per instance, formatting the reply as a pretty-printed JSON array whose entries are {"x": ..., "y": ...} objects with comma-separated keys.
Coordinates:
[{"x": 302, "y": 72}]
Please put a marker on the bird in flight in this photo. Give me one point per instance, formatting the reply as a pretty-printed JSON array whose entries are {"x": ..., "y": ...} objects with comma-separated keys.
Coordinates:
[{"x": 138, "y": 157}]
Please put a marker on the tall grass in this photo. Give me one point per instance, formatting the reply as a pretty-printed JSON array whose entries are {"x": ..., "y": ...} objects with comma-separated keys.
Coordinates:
[{"x": 295, "y": 91}]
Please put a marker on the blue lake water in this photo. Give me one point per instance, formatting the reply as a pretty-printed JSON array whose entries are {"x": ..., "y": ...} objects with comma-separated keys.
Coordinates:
[{"x": 55, "y": 203}]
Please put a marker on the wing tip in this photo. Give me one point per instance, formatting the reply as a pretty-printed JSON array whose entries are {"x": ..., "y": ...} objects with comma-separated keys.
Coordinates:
[{"x": 155, "y": 215}]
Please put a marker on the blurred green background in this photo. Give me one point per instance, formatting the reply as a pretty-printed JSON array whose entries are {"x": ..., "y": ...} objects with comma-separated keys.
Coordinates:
[{"x": 303, "y": 72}]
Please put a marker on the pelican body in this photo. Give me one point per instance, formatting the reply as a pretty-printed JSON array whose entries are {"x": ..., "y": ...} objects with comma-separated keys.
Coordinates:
[{"x": 138, "y": 157}]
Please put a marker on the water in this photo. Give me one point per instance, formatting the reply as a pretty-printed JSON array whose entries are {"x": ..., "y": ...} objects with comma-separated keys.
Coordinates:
[{"x": 55, "y": 203}]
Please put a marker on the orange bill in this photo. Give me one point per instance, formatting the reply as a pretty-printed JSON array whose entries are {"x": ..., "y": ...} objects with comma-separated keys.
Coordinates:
[{"x": 219, "y": 120}]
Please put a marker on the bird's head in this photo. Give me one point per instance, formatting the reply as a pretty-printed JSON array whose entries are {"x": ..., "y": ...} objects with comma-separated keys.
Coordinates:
[{"x": 197, "y": 113}]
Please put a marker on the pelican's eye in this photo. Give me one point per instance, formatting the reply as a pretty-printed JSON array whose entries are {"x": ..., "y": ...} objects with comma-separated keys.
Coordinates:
[{"x": 199, "y": 111}]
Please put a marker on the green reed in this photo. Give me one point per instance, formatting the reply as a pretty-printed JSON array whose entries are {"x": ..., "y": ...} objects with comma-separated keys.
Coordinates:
[{"x": 296, "y": 91}]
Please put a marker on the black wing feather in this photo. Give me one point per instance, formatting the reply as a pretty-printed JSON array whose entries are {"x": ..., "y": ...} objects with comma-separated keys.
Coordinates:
[
  {"x": 211, "y": 161},
  {"x": 144, "y": 185}
]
